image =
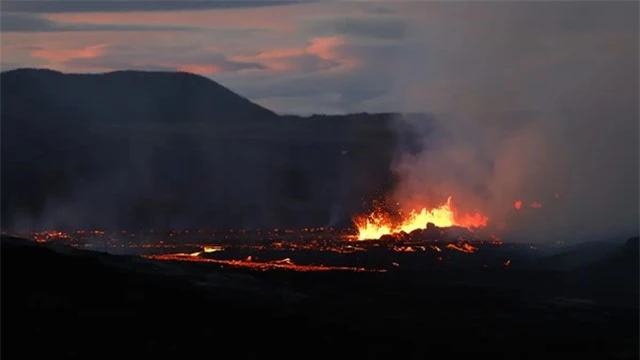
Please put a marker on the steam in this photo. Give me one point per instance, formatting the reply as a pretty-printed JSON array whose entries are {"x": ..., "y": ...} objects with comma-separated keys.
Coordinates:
[{"x": 564, "y": 135}]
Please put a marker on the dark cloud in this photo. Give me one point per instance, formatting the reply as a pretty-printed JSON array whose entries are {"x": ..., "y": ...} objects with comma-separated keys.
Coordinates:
[
  {"x": 15, "y": 22},
  {"x": 320, "y": 103},
  {"x": 68, "y": 6},
  {"x": 334, "y": 90},
  {"x": 375, "y": 27},
  {"x": 377, "y": 8},
  {"x": 351, "y": 88},
  {"x": 385, "y": 28},
  {"x": 307, "y": 63}
]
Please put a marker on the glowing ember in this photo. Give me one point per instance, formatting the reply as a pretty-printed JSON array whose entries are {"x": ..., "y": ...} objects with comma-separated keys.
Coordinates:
[
  {"x": 210, "y": 249},
  {"x": 495, "y": 240},
  {"x": 518, "y": 204},
  {"x": 465, "y": 248},
  {"x": 378, "y": 223}
]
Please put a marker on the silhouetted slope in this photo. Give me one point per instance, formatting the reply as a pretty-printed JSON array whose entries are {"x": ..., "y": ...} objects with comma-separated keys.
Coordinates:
[
  {"x": 605, "y": 271},
  {"x": 135, "y": 149},
  {"x": 578, "y": 256},
  {"x": 124, "y": 97},
  {"x": 617, "y": 272},
  {"x": 66, "y": 277}
]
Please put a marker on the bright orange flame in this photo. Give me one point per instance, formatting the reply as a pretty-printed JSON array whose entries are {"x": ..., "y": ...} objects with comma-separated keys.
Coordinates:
[
  {"x": 377, "y": 224},
  {"x": 518, "y": 204}
]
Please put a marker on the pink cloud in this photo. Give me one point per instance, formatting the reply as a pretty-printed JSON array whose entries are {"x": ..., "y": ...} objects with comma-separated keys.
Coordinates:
[
  {"x": 200, "y": 69},
  {"x": 320, "y": 53},
  {"x": 326, "y": 47},
  {"x": 58, "y": 55}
]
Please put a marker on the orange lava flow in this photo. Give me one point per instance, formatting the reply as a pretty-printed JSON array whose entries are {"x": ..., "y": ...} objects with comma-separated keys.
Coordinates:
[
  {"x": 284, "y": 264},
  {"x": 465, "y": 248},
  {"x": 377, "y": 224}
]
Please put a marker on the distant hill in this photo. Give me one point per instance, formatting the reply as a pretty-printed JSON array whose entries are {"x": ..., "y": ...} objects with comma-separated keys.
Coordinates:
[
  {"x": 131, "y": 149},
  {"x": 618, "y": 268},
  {"x": 125, "y": 97},
  {"x": 606, "y": 269}
]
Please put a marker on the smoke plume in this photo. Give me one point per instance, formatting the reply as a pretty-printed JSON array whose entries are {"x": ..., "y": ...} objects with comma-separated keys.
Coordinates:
[{"x": 546, "y": 118}]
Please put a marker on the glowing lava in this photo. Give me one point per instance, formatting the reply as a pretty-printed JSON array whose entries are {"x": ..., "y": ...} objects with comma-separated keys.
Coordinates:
[
  {"x": 378, "y": 223},
  {"x": 518, "y": 204}
]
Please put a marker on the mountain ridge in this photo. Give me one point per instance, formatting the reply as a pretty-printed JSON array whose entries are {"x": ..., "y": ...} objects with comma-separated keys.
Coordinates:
[
  {"x": 29, "y": 70},
  {"x": 157, "y": 87},
  {"x": 132, "y": 149}
]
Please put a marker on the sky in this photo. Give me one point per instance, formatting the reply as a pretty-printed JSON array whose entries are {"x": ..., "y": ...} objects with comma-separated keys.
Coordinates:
[{"x": 329, "y": 56}]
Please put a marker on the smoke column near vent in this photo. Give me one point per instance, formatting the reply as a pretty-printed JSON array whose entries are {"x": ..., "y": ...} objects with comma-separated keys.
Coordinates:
[{"x": 541, "y": 120}]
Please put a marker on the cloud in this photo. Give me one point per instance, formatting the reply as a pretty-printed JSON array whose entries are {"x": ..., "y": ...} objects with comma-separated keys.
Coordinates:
[
  {"x": 319, "y": 103},
  {"x": 377, "y": 8},
  {"x": 70, "y": 6},
  {"x": 365, "y": 26},
  {"x": 320, "y": 53},
  {"x": 358, "y": 77},
  {"x": 333, "y": 90},
  {"x": 119, "y": 57},
  {"x": 34, "y": 23},
  {"x": 65, "y": 55}
]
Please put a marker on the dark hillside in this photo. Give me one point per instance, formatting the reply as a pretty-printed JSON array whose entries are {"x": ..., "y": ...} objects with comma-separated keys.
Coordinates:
[{"x": 156, "y": 150}]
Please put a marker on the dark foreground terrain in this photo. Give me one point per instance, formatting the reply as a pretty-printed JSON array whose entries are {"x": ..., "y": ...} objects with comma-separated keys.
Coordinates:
[{"x": 59, "y": 301}]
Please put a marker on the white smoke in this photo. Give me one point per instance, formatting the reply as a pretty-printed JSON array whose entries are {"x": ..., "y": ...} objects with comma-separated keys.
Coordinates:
[{"x": 538, "y": 112}]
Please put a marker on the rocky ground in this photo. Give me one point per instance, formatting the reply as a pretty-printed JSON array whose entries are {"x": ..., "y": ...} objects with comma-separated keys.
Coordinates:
[{"x": 71, "y": 303}]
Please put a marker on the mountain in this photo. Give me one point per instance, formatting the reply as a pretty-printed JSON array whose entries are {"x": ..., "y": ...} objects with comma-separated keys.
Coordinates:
[
  {"x": 131, "y": 149},
  {"x": 125, "y": 97}
]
